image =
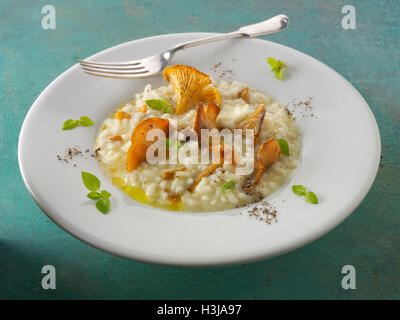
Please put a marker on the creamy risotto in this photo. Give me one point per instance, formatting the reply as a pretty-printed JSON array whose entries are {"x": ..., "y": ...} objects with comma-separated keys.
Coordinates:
[{"x": 162, "y": 186}]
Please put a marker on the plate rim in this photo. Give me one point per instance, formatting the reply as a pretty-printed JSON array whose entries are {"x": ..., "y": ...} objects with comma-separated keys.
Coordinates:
[{"x": 110, "y": 248}]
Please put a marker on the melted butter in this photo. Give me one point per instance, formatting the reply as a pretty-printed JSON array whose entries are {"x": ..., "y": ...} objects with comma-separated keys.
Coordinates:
[
  {"x": 116, "y": 181},
  {"x": 139, "y": 195}
]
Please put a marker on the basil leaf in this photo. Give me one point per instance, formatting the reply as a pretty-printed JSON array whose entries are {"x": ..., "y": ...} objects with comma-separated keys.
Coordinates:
[
  {"x": 284, "y": 146},
  {"x": 105, "y": 194},
  {"x": 103, "y": 205},
  {"x": 94, "y": 195},
  {"x": 167, "y": 109},
  {"x": 155, "y": 104},
  {"x": 160, "y": 105},
  {"x": 311, "y": 197},
  {"x": 277, "y": 67},
  {"x": 176, "y": 144},
  {"x": 227, "y": 186},
  {"x": 281, "y": 64},
  {"x": 90, "y": 181},
  {"x": 299, "y": 190},
  {"x": 272, "y": 62},
  {"x": 85, "y": 122},
  {"x": 278, "y": 74},
  {"x": 70, "y": 124}
]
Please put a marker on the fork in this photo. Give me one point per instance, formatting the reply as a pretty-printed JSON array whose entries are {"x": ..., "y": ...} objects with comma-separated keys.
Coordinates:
[{"x": 153, "y": 65}]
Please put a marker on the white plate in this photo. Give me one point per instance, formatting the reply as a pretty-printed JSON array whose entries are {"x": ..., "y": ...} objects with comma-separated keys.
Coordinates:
[{"x": 341, "y": 152}]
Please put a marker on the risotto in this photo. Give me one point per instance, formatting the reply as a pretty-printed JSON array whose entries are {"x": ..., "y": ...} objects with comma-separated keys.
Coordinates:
[{"x": 188, "y": 185}]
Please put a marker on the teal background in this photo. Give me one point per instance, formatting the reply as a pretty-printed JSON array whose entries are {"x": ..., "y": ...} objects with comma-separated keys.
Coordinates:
[{"x": 30, "y": 58}]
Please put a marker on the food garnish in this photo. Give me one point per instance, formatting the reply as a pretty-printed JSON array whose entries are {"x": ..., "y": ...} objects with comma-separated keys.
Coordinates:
[
  {"x": 103, "y": 205},
  {"x": 139, "y": 145},
  {"x": 173, "y": 197},
  {"x": 225, "y": 152},
  {"x": 277, "y": 67},
  {"x": 85, "y": 122},
  {"x": 92, "y": 183},
  {"x": 160, "y": 105},
  {"x": 176, "y": 144},
  {"x": 190, "y": 87},
  {"x": 309, "y": 196},
  {"x": 170, "y": 174},
  {"x": 143, "y": 108},
  {"x": 209, "y": 170},
  {"x": 205, "y": 118},
  {"x": 267, "y": 154},
  {"x": 227, "y": 186},
  {"x": 284, "y": 146},
  {"x": 244, "y": 94},
  {"x": 116, "y": 138},
  {"x": 299, "y": 190},
  {"x": 120, "y": 115},
  {"x": 71, "y": 124},
  {"x": 254, "y": 122}
]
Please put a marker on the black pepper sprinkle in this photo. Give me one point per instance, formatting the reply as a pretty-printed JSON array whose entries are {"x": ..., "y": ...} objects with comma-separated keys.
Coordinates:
[
  {"x": 73, "y": 155},
  {"x": 222, "y": 71},
  {"x": 302, "y": 109},
  {"x": 262, "y": 211}
]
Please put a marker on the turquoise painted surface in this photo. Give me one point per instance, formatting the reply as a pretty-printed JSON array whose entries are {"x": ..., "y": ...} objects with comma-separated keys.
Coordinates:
[{"x": 30, "y": 58}]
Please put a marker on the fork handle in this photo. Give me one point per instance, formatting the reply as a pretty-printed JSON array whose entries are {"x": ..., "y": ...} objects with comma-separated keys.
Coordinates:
[{"x": 272, "y": 25}]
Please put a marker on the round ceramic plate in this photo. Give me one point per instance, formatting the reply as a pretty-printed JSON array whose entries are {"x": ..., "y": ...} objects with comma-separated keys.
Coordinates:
[{"x": 340, "y": 157}]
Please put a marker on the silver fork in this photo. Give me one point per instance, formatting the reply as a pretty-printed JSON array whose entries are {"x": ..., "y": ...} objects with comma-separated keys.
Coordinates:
[{"x": 153, "y": 65}]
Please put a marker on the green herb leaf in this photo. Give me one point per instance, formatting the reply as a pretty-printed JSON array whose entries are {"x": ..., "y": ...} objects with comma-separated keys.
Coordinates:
[
  {"x": 227, "y": 186},
  {"x": 281, "y": 64},
  {"x": 284, "y": 146},
  {"x": 176, "y": 144},
  {"x": 299, "y": 190},
  {"x": 103, "y": 205},
  {"x": 272, "y": 62},
  {"x": 70, "y": 124},
  {"x": 85, "y": 122},
  {"x": 94, "y": 195},
  {"x": 278, "y": 74},
  {"x": 167, "y": 109},
  {"x": 105, "y": 194},
  {"x": 311, "y": 197},
  {"x": 160, "y": 105},
  {"x": 277, "y": 67},
  {"x": 90, "y": 181},
  {"x": 155, "y": 104}
]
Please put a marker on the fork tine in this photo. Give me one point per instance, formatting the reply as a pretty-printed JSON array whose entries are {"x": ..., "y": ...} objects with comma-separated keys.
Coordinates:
[
  {"x": 129, "y": 76},
  {"x": 117, "y": 74},
  {"x": 121, "y": 64},
  {"x": 121, "y": 72},
  {"x": 115, "y": 68}
]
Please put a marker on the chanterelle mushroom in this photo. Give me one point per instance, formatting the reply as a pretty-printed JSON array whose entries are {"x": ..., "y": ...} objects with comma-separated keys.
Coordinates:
[
  {"x": 254, "y": 121},
  {"x": 205, "y": 118},
  {"x": 137, "y": 151},
  {"x": 225, "y": 152},
  {"x": 244, "y": 95},
  {"x": 190, "y": 86},
  {"x": 267, "y": 154}
]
